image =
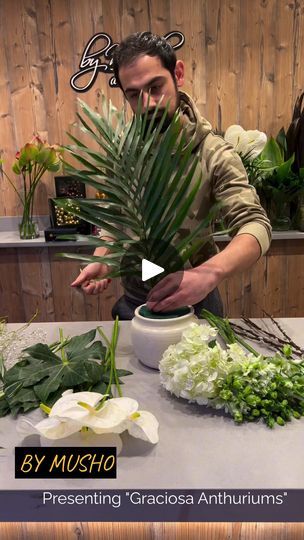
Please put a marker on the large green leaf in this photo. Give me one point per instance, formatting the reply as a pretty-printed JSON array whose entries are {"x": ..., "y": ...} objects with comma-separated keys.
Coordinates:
[
  {"x": 42, "y": 375},
  {"x": 272, "y": 153}
]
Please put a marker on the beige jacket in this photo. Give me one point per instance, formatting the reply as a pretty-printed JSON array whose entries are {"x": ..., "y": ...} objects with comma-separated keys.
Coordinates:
[{"x": 225, "y": 181}]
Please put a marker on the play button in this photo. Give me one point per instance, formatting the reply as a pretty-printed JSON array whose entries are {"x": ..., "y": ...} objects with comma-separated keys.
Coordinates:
[
  {"x": 145, "y": 264},
  {"x": 150, "y": 270}
]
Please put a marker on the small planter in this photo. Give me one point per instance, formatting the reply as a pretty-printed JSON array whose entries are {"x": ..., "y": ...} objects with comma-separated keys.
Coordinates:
[{"x": 152, "y": 333}]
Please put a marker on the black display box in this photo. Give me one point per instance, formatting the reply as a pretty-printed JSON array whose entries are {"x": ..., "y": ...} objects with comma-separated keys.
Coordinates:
[{"x": 68, "y": 187}]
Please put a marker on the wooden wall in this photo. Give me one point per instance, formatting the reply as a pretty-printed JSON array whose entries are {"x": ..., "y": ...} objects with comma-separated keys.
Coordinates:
[
  {"x": 243, "y": 64},
  {"x": 36, "y": 279}
]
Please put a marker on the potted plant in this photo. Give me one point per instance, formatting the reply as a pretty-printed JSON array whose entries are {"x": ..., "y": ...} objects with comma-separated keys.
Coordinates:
[
  {"x": 279, "y": 183},
  {"x": 276, "y": 168}
]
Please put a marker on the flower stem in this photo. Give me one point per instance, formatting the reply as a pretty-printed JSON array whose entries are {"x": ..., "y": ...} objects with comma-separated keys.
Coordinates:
[
  {"x": 225, "y": 331},
  {"x": 62, "y": 351},
  {"x": 110, "y": 361}
]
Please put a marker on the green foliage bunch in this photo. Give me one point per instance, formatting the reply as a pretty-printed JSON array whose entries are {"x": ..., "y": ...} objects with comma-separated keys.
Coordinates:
[{"x": 45, "y": 371}]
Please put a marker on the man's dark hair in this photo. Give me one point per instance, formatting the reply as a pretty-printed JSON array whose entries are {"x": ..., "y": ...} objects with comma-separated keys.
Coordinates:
[{"x": 139, "y": 44}]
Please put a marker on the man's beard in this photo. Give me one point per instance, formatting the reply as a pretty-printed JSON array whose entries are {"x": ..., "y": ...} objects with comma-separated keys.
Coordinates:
[
  {"x": 157, "y": 119},
  {"x": 159, "y": 115}
]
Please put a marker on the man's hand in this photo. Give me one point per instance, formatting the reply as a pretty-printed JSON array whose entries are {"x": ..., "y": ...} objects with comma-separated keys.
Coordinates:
[
  {"x": 87, "y": 278},
  {"x": 195, "y": 285},
  {"x": 241, "y": 253}
]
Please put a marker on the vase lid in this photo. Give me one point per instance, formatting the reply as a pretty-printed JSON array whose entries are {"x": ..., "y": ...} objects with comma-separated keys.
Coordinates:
[{"x": 180, "y": 312}]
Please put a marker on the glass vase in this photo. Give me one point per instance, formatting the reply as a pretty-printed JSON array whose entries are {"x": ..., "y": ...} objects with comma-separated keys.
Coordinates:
[
  {"x": 280, "y": 214},
  {"x": 299, "y": 221},
  {"x": 28, "y": 229}
]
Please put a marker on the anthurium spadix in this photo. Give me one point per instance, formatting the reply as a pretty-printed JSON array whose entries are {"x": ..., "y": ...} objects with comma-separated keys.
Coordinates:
[
  {"x": 247, "y": 143},
  {"x": 74, "y": 411}
]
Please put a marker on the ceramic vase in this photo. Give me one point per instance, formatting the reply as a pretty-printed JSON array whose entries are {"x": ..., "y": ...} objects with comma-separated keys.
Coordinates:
[{"x": 152, "y": 336}]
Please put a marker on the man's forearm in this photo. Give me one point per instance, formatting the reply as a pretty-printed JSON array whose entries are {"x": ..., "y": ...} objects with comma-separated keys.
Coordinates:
[{"x": 240, "y": 254}]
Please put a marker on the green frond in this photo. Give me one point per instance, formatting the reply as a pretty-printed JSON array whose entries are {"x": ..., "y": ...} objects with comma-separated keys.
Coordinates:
[{"x": 149, "y": 177}]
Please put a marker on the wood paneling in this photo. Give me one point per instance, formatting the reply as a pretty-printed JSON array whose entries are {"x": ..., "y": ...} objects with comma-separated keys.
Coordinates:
[
  {"x": 152, "y": 531},
  {"x": 36, "y": 279},
  {"x": 33, "y": 279},
  {"x": 243, "y": 64},
  {"x": 273, "y": 285}
]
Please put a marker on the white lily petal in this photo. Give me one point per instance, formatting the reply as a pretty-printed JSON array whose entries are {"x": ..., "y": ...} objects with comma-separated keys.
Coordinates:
[
  {"x": 243, "y": 147},
  {"x": 233, "y": 134},
  {"x": 257, "y": 141},
  {"x": 67, "y": 406},
  {"x": 256, "y": 135},
  {"x": 67, "y": 392},
  {"x": 55, "y": 428},
  {"x": 108, "y": 419},
  {"x": 143, "y": 425},
  {"x": 126, "y": 405},
  {"x": 129, "y": 405}
]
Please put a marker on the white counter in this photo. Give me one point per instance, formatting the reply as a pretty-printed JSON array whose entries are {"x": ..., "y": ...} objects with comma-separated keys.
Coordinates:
[{"x": 198, "y": 447}]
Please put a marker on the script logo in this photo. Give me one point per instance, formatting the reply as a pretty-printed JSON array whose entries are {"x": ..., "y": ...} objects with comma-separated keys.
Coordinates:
[{"x": 101, "y": 61}]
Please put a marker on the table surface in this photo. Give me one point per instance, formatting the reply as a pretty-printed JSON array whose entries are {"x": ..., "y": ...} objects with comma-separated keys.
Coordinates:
[{"x": 198, "y": 447}]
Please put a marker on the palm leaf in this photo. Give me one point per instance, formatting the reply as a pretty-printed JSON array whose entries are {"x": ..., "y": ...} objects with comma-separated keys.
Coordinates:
[{"x": 149, "y": 179}]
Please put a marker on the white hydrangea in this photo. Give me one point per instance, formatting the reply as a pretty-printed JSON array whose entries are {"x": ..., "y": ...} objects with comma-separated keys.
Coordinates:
[{"x": 191, "y": 368}]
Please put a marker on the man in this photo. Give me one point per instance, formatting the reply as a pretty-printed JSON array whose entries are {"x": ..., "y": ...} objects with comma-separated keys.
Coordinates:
[{"x": 145, "y": 65}]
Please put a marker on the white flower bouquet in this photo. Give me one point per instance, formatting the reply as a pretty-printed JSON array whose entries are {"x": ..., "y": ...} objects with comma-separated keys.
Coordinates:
[{"x": 246, "y": 384}]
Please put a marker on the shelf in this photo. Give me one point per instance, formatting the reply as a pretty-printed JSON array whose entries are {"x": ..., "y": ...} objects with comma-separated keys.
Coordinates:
[{"x": 10, "y": 239}]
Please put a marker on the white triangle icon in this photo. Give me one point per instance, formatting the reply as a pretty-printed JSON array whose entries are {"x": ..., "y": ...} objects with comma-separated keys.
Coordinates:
[{"x": 149, "y": 269}]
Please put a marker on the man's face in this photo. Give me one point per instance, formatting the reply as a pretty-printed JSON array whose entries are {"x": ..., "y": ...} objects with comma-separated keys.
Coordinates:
[{"x": 147, "y": 75}]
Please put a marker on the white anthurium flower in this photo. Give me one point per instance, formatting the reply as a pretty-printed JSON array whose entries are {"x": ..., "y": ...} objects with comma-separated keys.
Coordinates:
[
  {"x": 143, "y": 425},
  {"x": 248, "y": 143},
  {"x": 82, "y": 407},
  {"x": 73, "y": 411},
  {"x": 140, "y": 424}
]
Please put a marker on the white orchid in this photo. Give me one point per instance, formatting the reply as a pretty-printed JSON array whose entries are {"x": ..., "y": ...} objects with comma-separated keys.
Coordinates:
[
  {"x": 74, "y": 411},
  {"x": 247, "y": 143}
]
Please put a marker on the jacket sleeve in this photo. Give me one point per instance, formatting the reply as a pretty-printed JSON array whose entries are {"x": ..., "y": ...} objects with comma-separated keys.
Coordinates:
[{"x": 241, "y": 208}]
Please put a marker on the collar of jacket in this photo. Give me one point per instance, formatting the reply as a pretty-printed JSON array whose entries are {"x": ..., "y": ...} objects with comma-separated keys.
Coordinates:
[{"x": 195, "y": 126}]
